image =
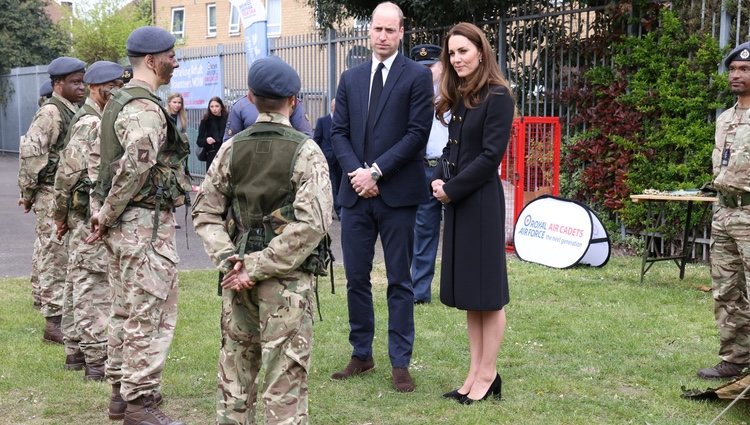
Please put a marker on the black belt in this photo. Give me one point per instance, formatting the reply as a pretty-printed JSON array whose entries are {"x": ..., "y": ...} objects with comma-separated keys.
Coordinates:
[
  {"x": 431, "y": 162},
  {"x": 734, "y": 200}
]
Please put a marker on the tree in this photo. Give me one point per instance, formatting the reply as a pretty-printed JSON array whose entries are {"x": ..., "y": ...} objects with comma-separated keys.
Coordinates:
[
  {"x": 100, "y": 33},
  {"x": 27, "y": 35}
]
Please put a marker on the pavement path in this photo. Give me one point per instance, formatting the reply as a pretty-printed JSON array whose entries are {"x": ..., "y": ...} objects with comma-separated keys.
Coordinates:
[{"x": 17, "y": 231}]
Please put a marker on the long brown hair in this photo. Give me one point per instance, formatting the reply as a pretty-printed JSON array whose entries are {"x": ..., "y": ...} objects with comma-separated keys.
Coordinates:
[
  {"x": 181, "y": 115},
  {"x": 452, "y": 87},
  {"x": 208, "y": 113}
]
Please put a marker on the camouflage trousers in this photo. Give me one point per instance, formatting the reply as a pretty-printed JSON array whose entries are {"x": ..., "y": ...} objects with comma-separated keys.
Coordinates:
[
  {"x": 143, "y": 276},
  {"x": 35, "y": 293},
  {"x": 730, "y": 264},
  {"x": 268, "y": 327},
  {"x": 52, "y": 255},
  {"x": 88, "y": 297}
]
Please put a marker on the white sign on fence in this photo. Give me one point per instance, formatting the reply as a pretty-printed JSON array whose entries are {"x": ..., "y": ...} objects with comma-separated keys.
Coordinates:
[{"x": 560, "y": 233}]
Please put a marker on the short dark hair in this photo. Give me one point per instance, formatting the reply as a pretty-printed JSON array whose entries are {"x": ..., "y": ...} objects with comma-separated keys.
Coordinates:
[{"x": 265, "y": 104}]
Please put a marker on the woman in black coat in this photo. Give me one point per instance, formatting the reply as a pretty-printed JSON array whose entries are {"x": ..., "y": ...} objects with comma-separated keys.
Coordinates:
[
  {"x": 473, "y": 273},
  {"x": 211, "y": 129}
]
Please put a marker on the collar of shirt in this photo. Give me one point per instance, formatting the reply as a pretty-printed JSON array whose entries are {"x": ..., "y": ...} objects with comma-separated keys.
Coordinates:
[
  {"x": 66, "y": 102},
  {"x": 273, "y": 117},
  {"x": 140, "y": 83},
  {"x": 387, "y": 63},
  {"x": 92, "y": 103}
]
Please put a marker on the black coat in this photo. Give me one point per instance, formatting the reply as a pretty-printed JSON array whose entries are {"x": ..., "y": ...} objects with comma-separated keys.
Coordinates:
[
  {"x": 212, "y": 126},
  {"x": 473, "y": 274}
]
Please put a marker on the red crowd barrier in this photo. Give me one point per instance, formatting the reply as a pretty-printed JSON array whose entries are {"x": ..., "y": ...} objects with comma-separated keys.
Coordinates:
[{"x": 530, "y": 167}]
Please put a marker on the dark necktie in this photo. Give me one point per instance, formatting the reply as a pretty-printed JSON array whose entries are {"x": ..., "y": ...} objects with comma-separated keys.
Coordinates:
[{"x": 375, "y": 91}]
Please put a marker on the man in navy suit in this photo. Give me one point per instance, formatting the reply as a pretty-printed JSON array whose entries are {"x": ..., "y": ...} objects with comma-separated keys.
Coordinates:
[
  {"x": 323, "y": 138},
  {"x": 380, "y": 128}
]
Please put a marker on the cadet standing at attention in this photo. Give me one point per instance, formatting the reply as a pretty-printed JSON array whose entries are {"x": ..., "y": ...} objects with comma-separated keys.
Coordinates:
[
  {"x": 730, "y": 234},
  {"x": 39, "y": 153},
  {"x": 274, "y": 182},
  {"x": 141, "y": 178},
  {"x": 87, "y": 298}
]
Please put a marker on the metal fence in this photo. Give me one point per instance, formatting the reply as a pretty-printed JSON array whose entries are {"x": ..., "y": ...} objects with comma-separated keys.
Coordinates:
[{"x": 541, "y": 47}]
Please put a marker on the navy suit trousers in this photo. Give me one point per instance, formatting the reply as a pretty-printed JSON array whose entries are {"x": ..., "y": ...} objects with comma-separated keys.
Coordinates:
[
  {"x": 426, "y": 238},
  {"x": 360, "y": 226}
]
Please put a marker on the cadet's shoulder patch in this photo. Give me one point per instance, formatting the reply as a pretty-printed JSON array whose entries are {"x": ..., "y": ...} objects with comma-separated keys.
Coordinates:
[{"x": 142, "y": 155}]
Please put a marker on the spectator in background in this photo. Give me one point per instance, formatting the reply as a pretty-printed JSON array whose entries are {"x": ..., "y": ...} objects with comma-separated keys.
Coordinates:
[
  {"x": 211, "y": 129},
  {"x": 429, "y": 213},
  {"x": 323, "y": 139},
  {"x": 474, "y": 275},
  {"x": 176, "y": 109}
]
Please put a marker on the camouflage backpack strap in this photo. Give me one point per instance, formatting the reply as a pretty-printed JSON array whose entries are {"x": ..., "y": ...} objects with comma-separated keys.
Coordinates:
[
  {"x": 79, "y": 199},
  {"x": 47, "y": 174}
]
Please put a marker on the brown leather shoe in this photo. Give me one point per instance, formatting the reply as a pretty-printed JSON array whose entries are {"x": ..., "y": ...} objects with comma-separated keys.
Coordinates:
[
  {"x": 75, "y": 361},
  {"x": 402, "y": 381},
  {"x": 143, "y": 411},
  {"x": 723, "y": 370},
  {"x": 355, "y": 367},
  {"x": 94, "y": 372},
  {"x": 52, "y": 332},
  {"x": 117, "y": 405}
]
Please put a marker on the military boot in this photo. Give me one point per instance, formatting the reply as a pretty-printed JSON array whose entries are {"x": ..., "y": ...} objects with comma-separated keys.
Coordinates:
[
  {"x": 117, "y": 405},
  {"x": 52, "y": 332},
  {"x": 143, "y": 411},
  {"x": 75, "y": 361},
  {"x": 94, "y": 372},
  {"x": 723, "y": 370}
]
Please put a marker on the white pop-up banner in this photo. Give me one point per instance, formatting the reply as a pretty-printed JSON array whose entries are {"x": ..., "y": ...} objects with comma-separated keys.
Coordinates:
[{"x": 560, "y": 233}]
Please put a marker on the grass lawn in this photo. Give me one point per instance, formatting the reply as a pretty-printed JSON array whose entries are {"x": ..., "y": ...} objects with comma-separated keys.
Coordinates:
[{"x": 583, "y": 346}]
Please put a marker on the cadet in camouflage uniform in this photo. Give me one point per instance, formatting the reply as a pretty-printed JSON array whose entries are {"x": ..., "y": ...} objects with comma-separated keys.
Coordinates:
[
  {"x": 87, "y": 298},
  {"x": 282, "y": 210},
  {"x": 730, "y": 227},
  {"x": 45, "y": 91},
  {"x": 137, "y": 192},
  {"x": 39, "y": 154}
]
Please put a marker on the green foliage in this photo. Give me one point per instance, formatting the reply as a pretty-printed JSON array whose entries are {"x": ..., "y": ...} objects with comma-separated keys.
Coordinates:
[
  {"x": 27, "y": 37},
  {"x": 669, "y": 89},
  {"x": 100, "y": 33}
]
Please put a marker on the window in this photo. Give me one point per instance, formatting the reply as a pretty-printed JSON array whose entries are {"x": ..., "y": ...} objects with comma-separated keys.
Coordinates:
[
  {"x": 211, "y": 20},
  {"x": 178, "y": 22},
  {"x": 234, "y": 21},
  {"x": 273, "y": 18}
]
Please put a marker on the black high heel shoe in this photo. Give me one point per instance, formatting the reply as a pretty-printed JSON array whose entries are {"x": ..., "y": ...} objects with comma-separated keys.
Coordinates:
[
  {"x": 454, "y": 395},
  {"x": 495, "y": 390}
]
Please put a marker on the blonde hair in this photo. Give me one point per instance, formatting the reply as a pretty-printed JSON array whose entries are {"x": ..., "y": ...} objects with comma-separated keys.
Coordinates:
[
  {"x": 182, "y": 115},
  {"x": 453, "y": 87}
]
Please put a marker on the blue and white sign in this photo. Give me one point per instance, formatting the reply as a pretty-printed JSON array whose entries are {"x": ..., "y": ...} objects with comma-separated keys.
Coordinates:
[
  {"x": 253, "y": 15},
  {"x": 560, "y": 233},
  {"x": 198, "y": 80}
]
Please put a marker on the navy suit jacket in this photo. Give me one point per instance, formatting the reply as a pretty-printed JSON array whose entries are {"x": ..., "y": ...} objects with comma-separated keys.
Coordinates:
[
  {"x": 402, "y": 126},
  {"x": 323, "y": 137}
]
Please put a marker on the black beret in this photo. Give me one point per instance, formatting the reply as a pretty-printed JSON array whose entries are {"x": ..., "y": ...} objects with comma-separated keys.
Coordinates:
[
  {"x": 45, "y": 90},
  {"x": 426, "y": 54},
  {"x": 272, "y": 78},
  {"x": 740, "y": 53},
  {"x": 65, "y": 65},
  {"x": 102, "y": 72},
  {"x": 149, "y": 41}
]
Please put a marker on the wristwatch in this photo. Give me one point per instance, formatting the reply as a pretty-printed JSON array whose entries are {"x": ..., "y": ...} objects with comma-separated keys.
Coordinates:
[{"x": 374, "y": 174}]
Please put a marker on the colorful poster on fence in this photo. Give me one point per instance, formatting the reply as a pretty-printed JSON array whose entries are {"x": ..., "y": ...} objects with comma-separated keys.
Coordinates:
[
  {"x": 198, "y": 80},
  {"x": 253, "y": 15}
]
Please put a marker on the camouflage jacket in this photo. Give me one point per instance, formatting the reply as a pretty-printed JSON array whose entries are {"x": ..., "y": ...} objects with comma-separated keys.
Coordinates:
[
  {"x": 73, "y": 164},
  {"x": 141, "y": 128},
  {"x": 35, "y": 144},
  {"x": 285, "y": 253},
  {"x": 732, "y": 142}
]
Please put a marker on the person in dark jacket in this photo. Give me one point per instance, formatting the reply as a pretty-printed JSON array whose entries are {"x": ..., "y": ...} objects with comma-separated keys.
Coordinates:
[
  {"x": 474, "y": 273},
  {"x": 323, "y": 138},
  {"x": 211, "y": 129}
]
